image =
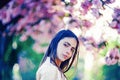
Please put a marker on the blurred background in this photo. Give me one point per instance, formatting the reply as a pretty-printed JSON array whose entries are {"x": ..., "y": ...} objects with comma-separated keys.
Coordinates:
[{"x": 27, "y": 27}]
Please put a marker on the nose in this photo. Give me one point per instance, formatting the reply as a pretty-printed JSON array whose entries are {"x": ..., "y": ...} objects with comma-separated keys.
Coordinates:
[{"x": 68, "y": 51}]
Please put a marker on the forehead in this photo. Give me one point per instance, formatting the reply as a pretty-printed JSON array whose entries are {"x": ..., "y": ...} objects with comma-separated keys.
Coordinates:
[{"x": 70, "y": 40}]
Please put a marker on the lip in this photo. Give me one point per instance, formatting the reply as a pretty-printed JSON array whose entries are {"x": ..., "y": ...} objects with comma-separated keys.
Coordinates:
[{"x": 65, "y": 56}]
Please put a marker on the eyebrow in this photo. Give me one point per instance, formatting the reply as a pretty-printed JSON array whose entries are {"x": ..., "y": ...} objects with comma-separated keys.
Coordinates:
[{"x": 68, "y": 43}]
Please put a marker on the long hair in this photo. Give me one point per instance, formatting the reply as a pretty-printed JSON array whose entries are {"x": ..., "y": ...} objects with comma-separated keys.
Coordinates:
[{"x": 52, "y": 49}]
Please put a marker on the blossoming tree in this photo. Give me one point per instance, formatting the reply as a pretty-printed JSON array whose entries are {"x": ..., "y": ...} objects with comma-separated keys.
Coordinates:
[{"x": 95, "y": 22}]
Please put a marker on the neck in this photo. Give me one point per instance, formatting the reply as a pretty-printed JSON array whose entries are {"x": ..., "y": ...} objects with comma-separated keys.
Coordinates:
[{"x": 58, "y": 62}]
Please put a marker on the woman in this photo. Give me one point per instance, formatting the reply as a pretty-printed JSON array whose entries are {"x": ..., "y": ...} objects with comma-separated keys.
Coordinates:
[{"x": 59, "y": 57}]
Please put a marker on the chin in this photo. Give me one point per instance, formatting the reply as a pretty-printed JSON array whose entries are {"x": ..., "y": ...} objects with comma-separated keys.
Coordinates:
[{"x": 62, "y": 60}]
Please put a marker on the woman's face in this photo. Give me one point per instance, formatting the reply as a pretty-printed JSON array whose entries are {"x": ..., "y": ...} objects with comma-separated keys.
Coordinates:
[{"x": 66, "y": 47}]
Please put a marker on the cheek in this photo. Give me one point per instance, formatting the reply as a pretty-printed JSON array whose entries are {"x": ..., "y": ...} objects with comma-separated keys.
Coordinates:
[
  {"x": 59, "y": 51},
  {"x": 60, "y": 48},
  {"x": 70, "y": 55}
]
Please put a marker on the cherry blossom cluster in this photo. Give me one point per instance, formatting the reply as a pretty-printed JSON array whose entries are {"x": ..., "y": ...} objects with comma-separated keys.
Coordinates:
[
  {"x": 35, "y": 14},
  {"x": 94, "y": 6},
  {"x": 38, "y": 18},
  {"x": 113, "y": 56},
  {"x": 86, "y": 5},
  {"x": 115, "y": 24}
]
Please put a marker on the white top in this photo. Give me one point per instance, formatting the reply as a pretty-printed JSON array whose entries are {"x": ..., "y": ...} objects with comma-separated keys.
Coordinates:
[{"x": 48, "y": 71}]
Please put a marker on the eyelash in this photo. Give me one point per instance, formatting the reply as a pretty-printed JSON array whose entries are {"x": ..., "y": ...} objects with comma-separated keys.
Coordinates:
[{"x": 65, "y": 45}]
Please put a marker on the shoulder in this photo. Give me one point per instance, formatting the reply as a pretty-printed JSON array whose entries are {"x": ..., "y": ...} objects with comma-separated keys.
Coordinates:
[
  {"x": 45, "y": 71},
  {"x": 46, "y": 67}
]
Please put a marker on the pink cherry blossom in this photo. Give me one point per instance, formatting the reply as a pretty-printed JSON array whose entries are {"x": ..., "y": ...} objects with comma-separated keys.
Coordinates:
[
  {"x": 73, "y": 2},
  {"x": 113, "y": 24},
  {"x": 113, "y": 56},
  {"x": 23, "y": 38},
  {"x": 86, "y": 6},
  {"x": 97, "y": 3},
  {"x": 86, "y": 23},
  {"x": 96, "y": 12}
]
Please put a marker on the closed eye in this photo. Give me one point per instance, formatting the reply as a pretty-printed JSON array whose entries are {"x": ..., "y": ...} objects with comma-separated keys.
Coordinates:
[{"x": 66, "y": 45}]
